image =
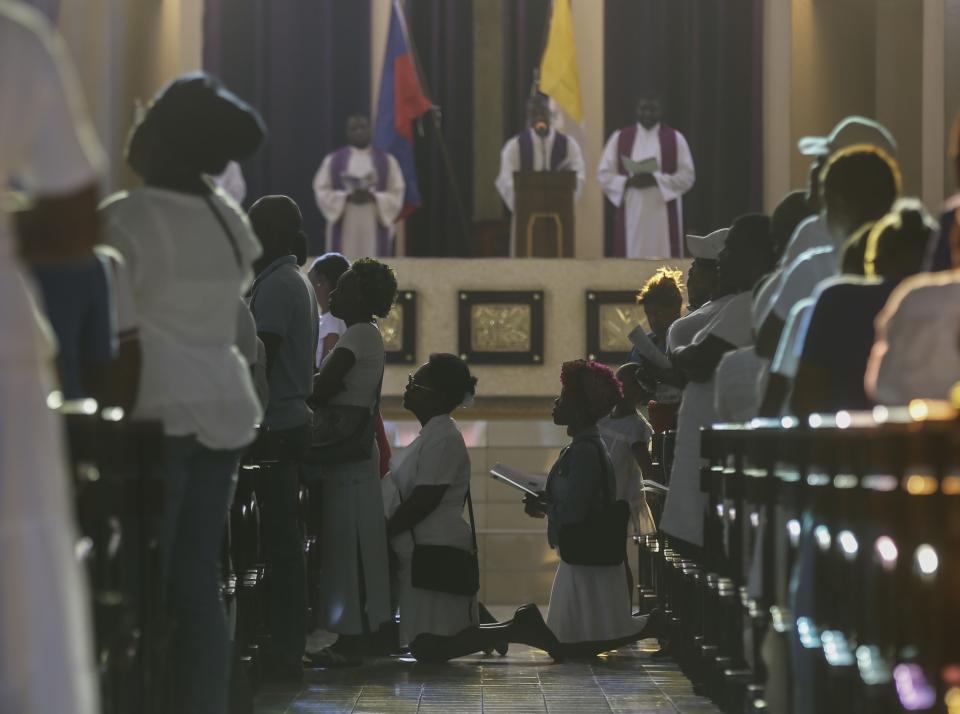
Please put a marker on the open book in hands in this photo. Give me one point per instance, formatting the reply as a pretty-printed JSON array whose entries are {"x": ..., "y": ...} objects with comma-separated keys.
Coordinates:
[
  {"x": 532, "y": 484},
  {"x": 644, "y": 166}
]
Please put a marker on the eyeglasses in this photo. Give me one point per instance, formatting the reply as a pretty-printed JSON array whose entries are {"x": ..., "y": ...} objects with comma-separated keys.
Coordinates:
[{"x": 417, "y": 385}]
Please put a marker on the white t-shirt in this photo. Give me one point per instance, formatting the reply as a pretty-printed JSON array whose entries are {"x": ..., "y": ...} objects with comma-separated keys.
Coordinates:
[
  {"x": 363, "y": 379},
  {"x": 737, "y": 392},
  {"x": 803, "y": 276},
  {"x": 186, "y": 281},
  {"x": 810, "y": 233},
  {"x": 329, "y": 325},
  {"x": 437, "y": 457},
  {"x": 619, "y": 435},
  {"x": 48, "y": 147},
  {"x": 787, "y": 358},
  {"x": 916, "y": 354}
]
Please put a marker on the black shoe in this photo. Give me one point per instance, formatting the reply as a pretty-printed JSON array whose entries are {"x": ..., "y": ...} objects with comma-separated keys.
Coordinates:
[{"x": 528, "y": 628}]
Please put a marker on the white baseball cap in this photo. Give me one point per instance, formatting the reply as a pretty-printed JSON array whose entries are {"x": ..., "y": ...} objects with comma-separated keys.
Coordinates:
[
  {"x": 850, "y": 131},
  {"x": 707, "y": 247}
]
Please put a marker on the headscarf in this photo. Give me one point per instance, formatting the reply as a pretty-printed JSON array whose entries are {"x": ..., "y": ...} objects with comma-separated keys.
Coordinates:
[{"x": 195, "y": 125}]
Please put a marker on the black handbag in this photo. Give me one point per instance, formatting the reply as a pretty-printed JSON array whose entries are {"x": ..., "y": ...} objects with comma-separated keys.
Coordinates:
[
  {"x": 343, "y": 433},
  {"x": 600, "y": 539},
  {"x": 446, "y": 569}
]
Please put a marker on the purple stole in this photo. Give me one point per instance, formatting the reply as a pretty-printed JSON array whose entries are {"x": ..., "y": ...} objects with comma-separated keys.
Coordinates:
[
  {"x": 668, "y": 165},
  {"x": 338, "y": 164},
  {"x": 558, "y": 154}
]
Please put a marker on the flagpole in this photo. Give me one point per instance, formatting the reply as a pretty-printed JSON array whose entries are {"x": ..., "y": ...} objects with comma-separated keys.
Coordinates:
[{"x": 435, "y": 115}]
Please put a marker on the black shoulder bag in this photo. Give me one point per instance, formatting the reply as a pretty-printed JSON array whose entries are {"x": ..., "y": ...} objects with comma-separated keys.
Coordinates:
[
  {"x": 446, "y": 569},
  {"x": 600, "y": 539},
  {"x": 343, "y": 433}
]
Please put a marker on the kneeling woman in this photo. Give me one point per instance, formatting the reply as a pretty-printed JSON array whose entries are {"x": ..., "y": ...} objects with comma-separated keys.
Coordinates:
[
  {"x": 432, "y": 480},
  {"x": 590, "y": 609}
]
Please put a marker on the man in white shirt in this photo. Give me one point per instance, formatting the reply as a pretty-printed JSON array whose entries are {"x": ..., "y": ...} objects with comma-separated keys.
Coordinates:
[
  {"x": 539, "y": 147},
  {"x": 645, "y": 170},
  {"x": 50, "y": 150},
  {"x": 359, "y": 189}
]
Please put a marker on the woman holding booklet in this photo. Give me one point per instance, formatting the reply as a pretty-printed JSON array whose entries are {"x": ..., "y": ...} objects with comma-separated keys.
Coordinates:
[{"x": 590, "y": 609}]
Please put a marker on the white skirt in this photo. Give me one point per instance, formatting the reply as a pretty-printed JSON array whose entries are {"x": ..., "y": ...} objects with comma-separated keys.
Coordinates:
[
  {"x": 429, "y": 611},
  {"x": 591, "y": 603},
  {"x": 353, "y": 532}
]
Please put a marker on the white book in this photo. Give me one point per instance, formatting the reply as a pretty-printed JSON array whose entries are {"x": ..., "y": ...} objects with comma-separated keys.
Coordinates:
[
  {"x": 527, "y": 483},
  {"x": 644, "y": 166},
  {"x": 647, "y": 349}
]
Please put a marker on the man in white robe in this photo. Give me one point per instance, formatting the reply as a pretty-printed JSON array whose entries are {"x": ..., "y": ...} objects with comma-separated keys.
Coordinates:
[
  {"x": 359, "y": 190},
  {"x": 539, "y": 147},
  {"x": 648, "y": 187}
]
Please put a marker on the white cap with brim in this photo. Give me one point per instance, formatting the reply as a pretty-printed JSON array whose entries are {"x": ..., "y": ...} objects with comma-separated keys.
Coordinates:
[
  {"x": 850, "y": 131},
  {"x": 707, "y": 247}
]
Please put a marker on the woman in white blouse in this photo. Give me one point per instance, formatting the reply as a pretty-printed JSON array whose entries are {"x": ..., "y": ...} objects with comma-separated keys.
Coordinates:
[
  {"x": 355, "y": 590},
  {"x": 189, "y": 251},
  {"x": 429, "y": 486}
]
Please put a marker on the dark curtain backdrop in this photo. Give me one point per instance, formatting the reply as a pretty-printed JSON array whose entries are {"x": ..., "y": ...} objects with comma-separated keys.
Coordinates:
[
  {"x": 306, "y": 67},
  {"x": 442, "y": 33},
  {"x": 706, "y": 60},
  {"x": 524, "y": 34}
]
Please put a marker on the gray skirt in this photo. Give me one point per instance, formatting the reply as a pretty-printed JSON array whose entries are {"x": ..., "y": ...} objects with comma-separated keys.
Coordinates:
[{"x": 353, "y": 536}]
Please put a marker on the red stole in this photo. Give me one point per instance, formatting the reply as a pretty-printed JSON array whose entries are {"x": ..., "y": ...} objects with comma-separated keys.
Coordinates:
[{"x": 668, "y": 165}]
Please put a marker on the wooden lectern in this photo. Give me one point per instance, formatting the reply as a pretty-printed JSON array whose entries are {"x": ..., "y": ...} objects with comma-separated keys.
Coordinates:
[{"x": 543, "y": 219}]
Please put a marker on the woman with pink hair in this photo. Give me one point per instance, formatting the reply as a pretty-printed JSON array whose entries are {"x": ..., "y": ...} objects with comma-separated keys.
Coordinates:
[{"x": 590, "y": 609}]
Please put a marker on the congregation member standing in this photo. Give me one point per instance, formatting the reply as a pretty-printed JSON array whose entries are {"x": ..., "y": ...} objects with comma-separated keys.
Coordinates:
[
  {"x": 285, "y": 310},
  {"x": 645, "y": 170},
  {"x": 359, "y": 189},
  {"x": 661, "y": 298},
  {"x": 48, "y": 148},
  {"x": 745, "y": 258},
  {"x": 539, "y": 147},
  {"x": 190, "y": 252},
  {"x": 837, "y": 340},
  {"x": 355, "y": 587},
  {"x": 324, "y": 274}
]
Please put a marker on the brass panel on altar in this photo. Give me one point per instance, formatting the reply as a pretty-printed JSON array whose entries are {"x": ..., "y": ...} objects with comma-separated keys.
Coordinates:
[
  {"x": 611, "y": 316},
  {"x": 399, "y": 329},
  {"x": 501, "y": 327}
]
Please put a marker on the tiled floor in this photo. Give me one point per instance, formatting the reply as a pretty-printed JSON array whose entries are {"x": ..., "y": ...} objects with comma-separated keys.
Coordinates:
[{"x": 525, "y": 680}]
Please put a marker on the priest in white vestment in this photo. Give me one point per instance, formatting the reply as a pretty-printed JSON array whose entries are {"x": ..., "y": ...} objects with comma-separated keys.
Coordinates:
[
  {"x": 539, "y": 147},
  {"x": 645, "y": 170},
  {"x": 359, "y": 190}
]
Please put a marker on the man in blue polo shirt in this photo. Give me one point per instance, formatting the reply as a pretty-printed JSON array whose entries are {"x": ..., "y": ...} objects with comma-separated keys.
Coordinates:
[{"x": 285, "y": 310}]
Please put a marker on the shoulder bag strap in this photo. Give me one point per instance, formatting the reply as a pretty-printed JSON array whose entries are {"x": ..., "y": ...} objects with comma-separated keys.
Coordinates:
[
  {"x": 473, "y": 528},
  {"x": 603, "y": 471},
  {"x": 226, "y": 229}
]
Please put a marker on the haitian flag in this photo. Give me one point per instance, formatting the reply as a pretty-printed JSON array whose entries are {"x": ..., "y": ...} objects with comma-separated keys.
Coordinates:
[{"x": 401, "y": 101}]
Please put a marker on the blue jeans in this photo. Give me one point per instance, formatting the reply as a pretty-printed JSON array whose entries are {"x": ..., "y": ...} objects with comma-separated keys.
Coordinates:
[{"x": 199, "y": 485}]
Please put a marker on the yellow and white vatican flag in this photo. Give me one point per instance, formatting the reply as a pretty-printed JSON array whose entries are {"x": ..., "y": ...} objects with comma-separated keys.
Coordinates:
[{"x": 559, "y": 74}]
